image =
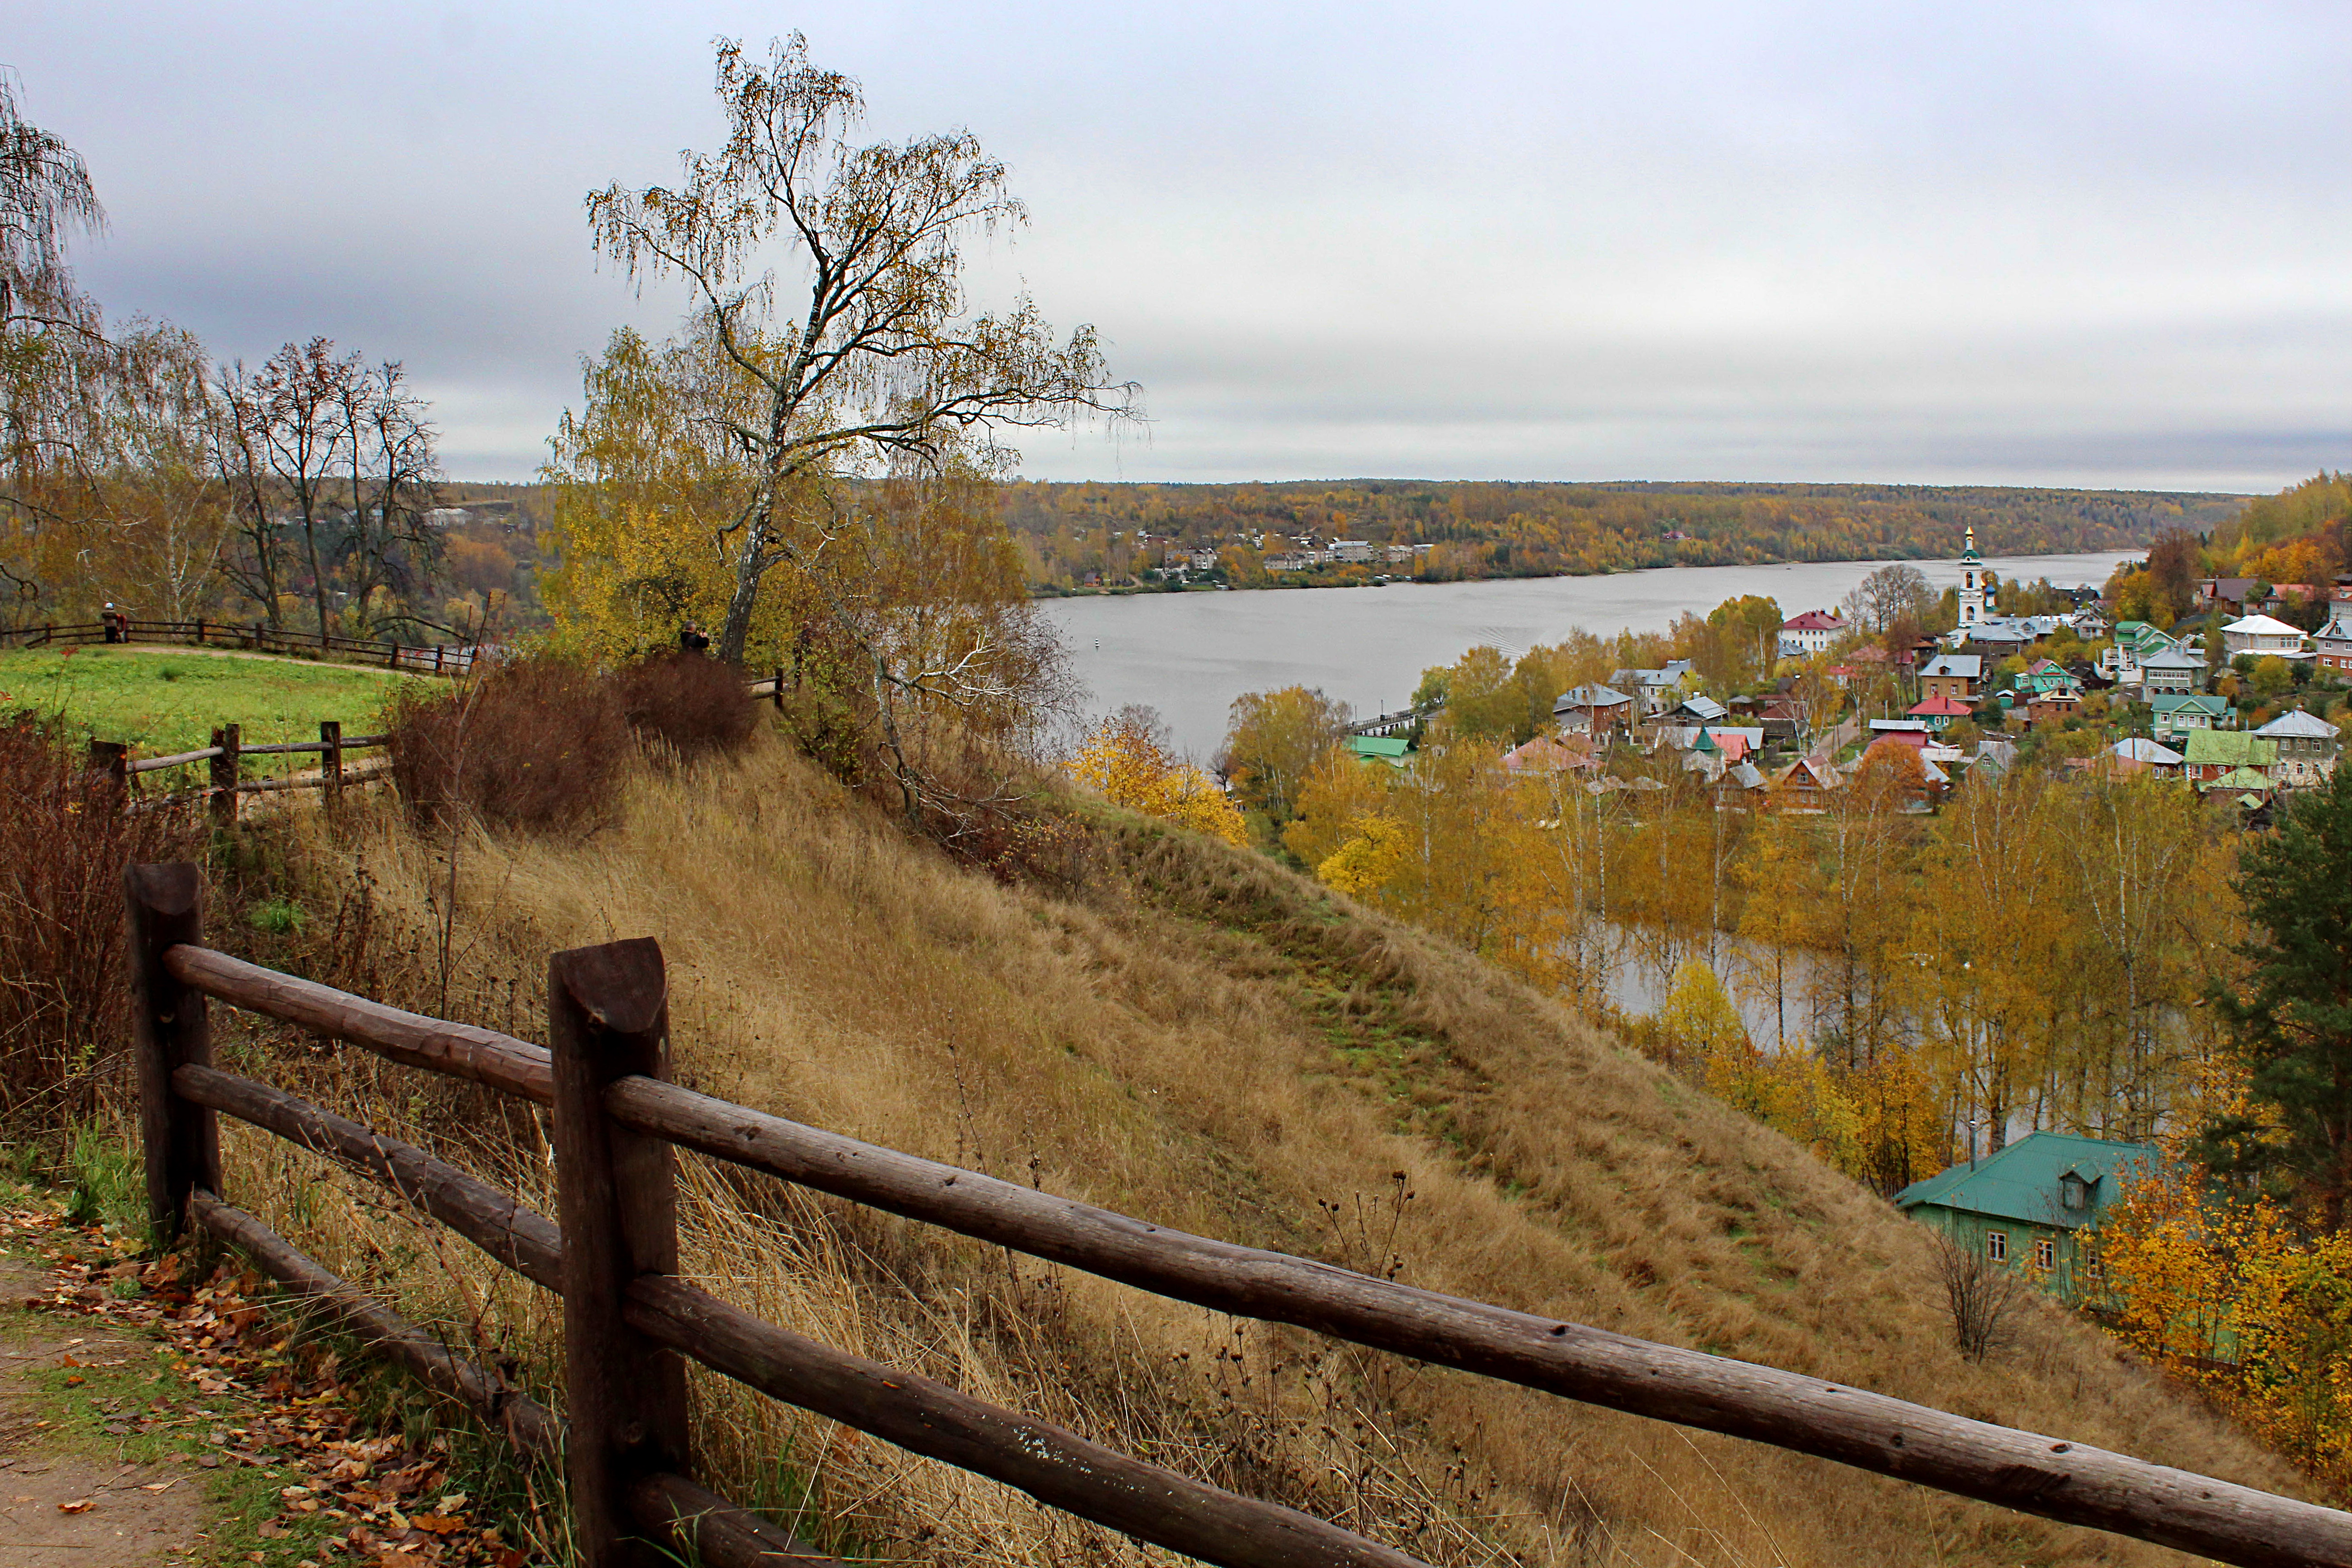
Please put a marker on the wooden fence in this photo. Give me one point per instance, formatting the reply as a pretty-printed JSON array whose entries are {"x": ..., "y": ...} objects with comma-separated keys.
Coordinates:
[
  {"x": 411, "y": 659},
  {"x": 226, "y": 756},
  {"x": 628, "y": 1319}
]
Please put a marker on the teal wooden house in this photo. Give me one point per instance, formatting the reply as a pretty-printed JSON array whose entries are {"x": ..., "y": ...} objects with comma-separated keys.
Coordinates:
[{"x": 2028, "y": 1205}]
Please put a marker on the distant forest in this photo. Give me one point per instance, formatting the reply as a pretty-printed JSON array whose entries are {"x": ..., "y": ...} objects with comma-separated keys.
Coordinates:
[{"x": 1073, "y": 536}]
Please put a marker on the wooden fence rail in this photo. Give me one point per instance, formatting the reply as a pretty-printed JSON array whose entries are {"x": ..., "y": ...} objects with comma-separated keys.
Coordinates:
[
  {"x": 414, "y": 659},
  {"x": 630, "y": 1321}
]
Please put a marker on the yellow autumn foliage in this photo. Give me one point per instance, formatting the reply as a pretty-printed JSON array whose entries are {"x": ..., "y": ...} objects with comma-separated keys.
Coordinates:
[
  {"x": 2227, "y": 1292},
  {"x": 1126, "y": 760}
]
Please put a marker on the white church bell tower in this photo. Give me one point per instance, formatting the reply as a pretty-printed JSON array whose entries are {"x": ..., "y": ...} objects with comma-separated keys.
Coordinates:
[{"x": 1976, "y": 602}]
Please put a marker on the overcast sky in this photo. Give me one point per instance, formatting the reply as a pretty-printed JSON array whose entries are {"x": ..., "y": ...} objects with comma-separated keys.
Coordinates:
[{"x": 2050, "y": 243}]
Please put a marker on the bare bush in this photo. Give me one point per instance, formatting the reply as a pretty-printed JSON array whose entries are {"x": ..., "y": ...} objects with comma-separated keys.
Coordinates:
[
  {"x": 536, "y": 743},
  {"x": 64, "y": 840},
  {"x": 1983, "y": 1297},
  {"x": 693, "y": 704}
]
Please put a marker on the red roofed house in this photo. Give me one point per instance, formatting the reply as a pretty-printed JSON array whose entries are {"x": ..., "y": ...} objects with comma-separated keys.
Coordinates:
[
  {"x": 1810, "y": 633},
  {"x": 1940, "y": 711}
]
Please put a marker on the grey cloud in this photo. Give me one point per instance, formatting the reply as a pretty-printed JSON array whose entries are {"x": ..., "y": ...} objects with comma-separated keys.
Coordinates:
[{"x": 2097, "y": 243}]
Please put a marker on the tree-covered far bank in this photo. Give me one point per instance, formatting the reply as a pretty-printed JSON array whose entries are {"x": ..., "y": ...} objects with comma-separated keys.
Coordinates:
[{"x": 1101, "y": 534}]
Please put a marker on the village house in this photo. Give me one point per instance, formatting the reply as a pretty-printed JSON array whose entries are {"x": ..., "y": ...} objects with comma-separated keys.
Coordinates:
[
  {"x": 1958, "y": 676},
  {"x": 2135, "y": 641},
  {"x": 1574, "y": 755},
  {"x": 1997, "y": 640},
  {"x": 2176, "y": 670},
  {"x": 2232, "y": 758},
  {"x": 2052, "y": 707},
  {"x": 2283, "y": 594},
  {"x": 1910, "y": 733},
  {"x": 1595, "y": 710},
  {"x": 2138, "y": 754},
  {"x": 1802, "y": 786},
  {"x": 2028, "y": 1205},
  {"x": 2333, "y": 642},
  {"x": 2179, "y": 715},
  {"x": 2308, "y": 747},
  {"x": 1699, "y": 708},
  {"x": 2223, "y": 592},
  {"x": 1380, "y": 750},
  {"x": 2262, "y": 637},
  {"x": 1742, "y": 788},
  {"x": 1658, "y": 689},
  {"x": 1937, "y": 712},
  {"x": 1802, "y": 636}
]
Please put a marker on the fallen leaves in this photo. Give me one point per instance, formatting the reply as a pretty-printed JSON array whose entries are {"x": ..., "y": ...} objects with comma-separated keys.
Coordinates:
[{"x": 255, "y": 1398}]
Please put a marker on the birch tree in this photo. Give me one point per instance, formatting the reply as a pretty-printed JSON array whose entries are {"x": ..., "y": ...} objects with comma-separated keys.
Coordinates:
[{"x": 868, "y": 358}]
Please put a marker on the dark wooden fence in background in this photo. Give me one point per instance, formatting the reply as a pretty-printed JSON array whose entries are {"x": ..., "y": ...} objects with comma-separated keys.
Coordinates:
[
  {"x": 226, "y": 757},
  {"x": 628, "y": 1319},
  {"x": 414, "y": 659}
]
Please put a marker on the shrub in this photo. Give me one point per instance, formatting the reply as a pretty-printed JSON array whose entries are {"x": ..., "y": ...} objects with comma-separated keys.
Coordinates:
[
  {"x": 693, "y": 704},
  {"x": 533, "y": 744},
  {"x": 64, "y": 1009}
]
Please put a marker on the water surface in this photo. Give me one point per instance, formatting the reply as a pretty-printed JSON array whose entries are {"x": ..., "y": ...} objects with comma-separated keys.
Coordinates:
[{"x": 1189, "y": 655}]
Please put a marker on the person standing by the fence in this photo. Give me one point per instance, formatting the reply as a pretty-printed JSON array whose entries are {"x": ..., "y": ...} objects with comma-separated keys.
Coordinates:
[
  {"x": 691, "y": 640},
  {"x": 117, "y": 625}
]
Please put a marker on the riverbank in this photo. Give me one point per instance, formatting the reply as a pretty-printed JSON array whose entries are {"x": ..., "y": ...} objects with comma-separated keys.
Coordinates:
[{"x": 1189, "y": 655}]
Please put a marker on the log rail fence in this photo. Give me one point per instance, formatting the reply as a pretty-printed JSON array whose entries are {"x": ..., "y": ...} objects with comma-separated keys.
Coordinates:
[
  {"x": 415, "y": 659},
  {"x": 630, "y": 1323},
  {"x": 118, "y": 761}
]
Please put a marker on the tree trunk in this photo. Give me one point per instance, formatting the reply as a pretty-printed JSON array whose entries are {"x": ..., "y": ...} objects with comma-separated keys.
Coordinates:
[{"x": 749, "y": 567}]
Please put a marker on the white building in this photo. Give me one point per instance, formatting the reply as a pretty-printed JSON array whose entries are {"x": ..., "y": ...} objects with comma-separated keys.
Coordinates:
[
  {"x": 1803, "y": 636},
  {"x": 1975, "y": 596},
  {"x": 2307, "y": 746},
  {"x": 2262, "y": 637}
]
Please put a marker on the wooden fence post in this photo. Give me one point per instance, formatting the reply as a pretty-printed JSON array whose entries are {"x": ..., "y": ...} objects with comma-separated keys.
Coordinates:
[
  {"x": 224, "y": 771},
  {"x": 112, "y": 758},
  {"x": 608, "y": 1018},
  {"x": 330, "y": 761},
  {"x": 776, "y": 694},
  {"x": 165, "y": 906}
]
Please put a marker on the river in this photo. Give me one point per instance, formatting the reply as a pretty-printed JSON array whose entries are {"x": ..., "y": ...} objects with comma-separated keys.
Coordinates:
[{"x": 1189, "y": 655}]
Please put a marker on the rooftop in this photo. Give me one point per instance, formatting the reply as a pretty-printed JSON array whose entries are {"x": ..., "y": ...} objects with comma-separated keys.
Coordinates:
[
  {"x": 2263, "y": 627},
  {"x": 2023, "y": 1180},
  {"x": 2298, "y": 725},
  {"x": 2230, "y": 749}
]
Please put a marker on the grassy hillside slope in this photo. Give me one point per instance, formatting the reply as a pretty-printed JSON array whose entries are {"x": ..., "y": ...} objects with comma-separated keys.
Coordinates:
[{"x": 1190, "y": 1034}]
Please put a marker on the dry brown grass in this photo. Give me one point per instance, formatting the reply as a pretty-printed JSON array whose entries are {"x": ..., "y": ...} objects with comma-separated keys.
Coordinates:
[{"x": 1200, "y": 1039}]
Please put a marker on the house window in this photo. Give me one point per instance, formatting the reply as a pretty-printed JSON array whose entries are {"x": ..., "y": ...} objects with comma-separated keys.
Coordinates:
[
  {"x": 2046, "y": 1253},
  {"x": 1996, "y": 1246},
  {"x": 2074, "y": 1192}
]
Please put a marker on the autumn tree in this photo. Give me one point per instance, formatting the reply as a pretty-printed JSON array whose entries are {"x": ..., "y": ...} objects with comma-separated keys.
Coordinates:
[
  {"x": 1131, "y": 761},
  {"x": 868, "y": 359},
  {"x": 1889, "y": 596},
  {"x": 1272, "y": 740},
  {"x": 649, "y": 485},
  {"x": 46, "y": 196},
  {"x": 2291, "y": 1019}
]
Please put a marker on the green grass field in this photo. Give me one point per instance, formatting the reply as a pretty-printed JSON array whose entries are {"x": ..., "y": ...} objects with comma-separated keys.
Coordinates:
[{"x": 169, "y": 700}]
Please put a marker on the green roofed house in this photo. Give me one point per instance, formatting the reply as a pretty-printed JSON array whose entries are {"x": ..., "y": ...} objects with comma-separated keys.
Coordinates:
[
  {"x": 2213, "y": 755},
  {"x": 2182, "y": 713},
  {"x": 1389, "y": 748},
  {"x": 2026, "y": 1205}
]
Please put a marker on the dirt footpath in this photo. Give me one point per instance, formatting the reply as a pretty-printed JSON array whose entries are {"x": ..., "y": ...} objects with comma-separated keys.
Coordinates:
[
  {"x": 158, "y": 1411},
  {"x": 61, "y": 1507}
]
